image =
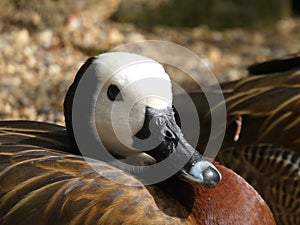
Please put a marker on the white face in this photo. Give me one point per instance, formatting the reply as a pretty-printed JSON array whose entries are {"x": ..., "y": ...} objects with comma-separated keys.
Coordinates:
[{"x": 142, "y": 82}]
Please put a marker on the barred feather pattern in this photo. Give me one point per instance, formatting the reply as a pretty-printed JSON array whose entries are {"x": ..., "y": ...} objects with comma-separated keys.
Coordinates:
[{"x": 273, "y": 171}]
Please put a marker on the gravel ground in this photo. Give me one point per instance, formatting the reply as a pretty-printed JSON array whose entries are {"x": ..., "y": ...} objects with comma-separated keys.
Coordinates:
[{"x": 37, "y": 66}]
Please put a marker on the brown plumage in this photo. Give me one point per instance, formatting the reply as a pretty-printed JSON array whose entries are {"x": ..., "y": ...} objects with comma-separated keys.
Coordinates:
[
  {"x": 271, "y": 104},
  {"x": 41, "y": 183},
  {"x": 262, "y": 141}
]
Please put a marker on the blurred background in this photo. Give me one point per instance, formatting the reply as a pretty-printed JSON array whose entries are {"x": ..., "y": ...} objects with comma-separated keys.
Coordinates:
[{"x": 44, "y": 42}]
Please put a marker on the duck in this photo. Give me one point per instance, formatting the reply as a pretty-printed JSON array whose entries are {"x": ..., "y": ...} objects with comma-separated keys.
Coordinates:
[
  {"x": 42, "y": 183},
  {"x": 49, "y": 176},
  {"x": 261, "y": 141}
]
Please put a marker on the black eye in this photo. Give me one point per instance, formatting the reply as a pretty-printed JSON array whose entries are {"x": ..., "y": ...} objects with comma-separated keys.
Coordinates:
[{"x": 113, "y": 93}]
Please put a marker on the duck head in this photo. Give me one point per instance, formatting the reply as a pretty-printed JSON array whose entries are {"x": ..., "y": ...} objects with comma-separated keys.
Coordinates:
[{"x": 134, "y": 117}]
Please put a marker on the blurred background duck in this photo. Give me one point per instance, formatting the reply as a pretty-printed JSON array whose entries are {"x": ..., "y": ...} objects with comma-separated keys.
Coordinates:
[
  {"x": 262, "y": 138},
  {"x": 44, "y": 180}
]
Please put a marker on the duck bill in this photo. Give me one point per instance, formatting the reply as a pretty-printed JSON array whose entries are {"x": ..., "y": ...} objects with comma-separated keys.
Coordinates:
[{"x": 165, "y": 140}]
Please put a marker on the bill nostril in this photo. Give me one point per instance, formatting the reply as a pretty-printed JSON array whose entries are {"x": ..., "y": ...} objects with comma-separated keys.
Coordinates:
[{"x": 169, "y": 135}]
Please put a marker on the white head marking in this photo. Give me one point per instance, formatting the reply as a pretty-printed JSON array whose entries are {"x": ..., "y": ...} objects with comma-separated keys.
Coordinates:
[{"x": 142, "y": 82}]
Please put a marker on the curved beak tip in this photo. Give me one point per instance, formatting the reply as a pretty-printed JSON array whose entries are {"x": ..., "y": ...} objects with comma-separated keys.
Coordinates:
[
  {"x": 203, "y": 172},
  {"x": 211, "y": 176}
]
